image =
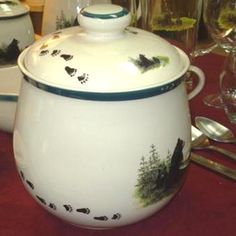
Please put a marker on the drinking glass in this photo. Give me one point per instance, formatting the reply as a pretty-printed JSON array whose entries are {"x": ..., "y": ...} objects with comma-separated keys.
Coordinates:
[
  {"x": 59, "y": 14},
  {"x": 220, "y": 19},
  {"x": 132, "y": 6}
]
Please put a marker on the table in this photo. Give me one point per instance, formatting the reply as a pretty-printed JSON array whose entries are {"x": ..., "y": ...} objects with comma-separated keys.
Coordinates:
[{"x": 205, "y": 205}]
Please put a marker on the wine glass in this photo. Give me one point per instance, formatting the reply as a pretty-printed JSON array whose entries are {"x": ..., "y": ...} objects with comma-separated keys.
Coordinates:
[{"x": 220, "y": 19}]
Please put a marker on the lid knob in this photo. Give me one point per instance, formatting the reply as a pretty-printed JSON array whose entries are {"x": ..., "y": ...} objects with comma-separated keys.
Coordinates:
[{"x": 104, "y": 20}]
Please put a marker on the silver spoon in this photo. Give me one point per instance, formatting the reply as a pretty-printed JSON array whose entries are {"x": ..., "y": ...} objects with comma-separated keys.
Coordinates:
[
  {"x": 214, "y": 166},
  {"x": 215, "y": 130},
  {"x": 200, "y": 141}
]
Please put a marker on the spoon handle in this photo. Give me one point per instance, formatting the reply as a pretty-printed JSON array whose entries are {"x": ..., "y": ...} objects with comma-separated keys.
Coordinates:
[
  {"x": 214, "y": 166},
  {"x": 232, "y": 140},
  {"x": 227, "y": 153}
]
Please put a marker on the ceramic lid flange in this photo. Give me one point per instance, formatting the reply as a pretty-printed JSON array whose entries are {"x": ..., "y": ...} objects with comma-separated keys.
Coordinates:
[{"x": 102, "y": 60}]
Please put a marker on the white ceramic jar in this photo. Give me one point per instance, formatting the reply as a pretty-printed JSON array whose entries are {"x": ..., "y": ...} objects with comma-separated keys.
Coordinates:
[
  {"x": 16, "y": 29},
  {"x": 102, "y": 133},
  {"x": 16, "y": 33}
]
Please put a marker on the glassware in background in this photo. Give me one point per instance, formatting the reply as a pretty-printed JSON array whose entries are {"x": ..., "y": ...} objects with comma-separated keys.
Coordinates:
[
  {"x": 175, "y": 20},
  {"x": 220, "y": 19},
  {"x": 132, "y": 6},
  {"x": 59, "y": 14},
  {"x": 228, "y": 86}
]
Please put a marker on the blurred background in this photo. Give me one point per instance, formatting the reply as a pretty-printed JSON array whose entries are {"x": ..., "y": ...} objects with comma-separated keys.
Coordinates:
[{"x": 37, "y": 10}]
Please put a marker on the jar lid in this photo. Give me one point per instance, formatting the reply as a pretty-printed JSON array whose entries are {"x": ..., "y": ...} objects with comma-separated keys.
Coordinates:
[
  {"x": 12, "y": 8},
  {"x": 103, "y": 55}
]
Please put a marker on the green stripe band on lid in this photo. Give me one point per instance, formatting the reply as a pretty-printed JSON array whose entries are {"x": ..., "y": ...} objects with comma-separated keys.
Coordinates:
[{"x": 113, "y": 15}]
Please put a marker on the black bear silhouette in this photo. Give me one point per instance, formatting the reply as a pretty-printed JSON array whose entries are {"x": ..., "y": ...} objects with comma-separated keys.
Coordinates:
[
  {"x": 12, "y": 51},
  {"x": 9, "y": 53},
  {"x": 176, "y": 159},
  {"x": 145, "y": 62}
]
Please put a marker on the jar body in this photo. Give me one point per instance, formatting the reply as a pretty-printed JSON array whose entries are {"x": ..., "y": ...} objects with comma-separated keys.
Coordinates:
[
  {"x": 86, "y": 161},
  {"x": 16, "y": 34}
]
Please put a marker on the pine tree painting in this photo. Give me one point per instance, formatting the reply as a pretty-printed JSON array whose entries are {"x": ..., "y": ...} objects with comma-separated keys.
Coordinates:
[{"x": 157, "y": 178}]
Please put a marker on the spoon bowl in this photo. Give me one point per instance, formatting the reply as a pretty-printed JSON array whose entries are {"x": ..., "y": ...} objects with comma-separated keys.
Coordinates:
[
  {"x": 214, "y": 130},
  {"x": 200, "y": 141}
]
